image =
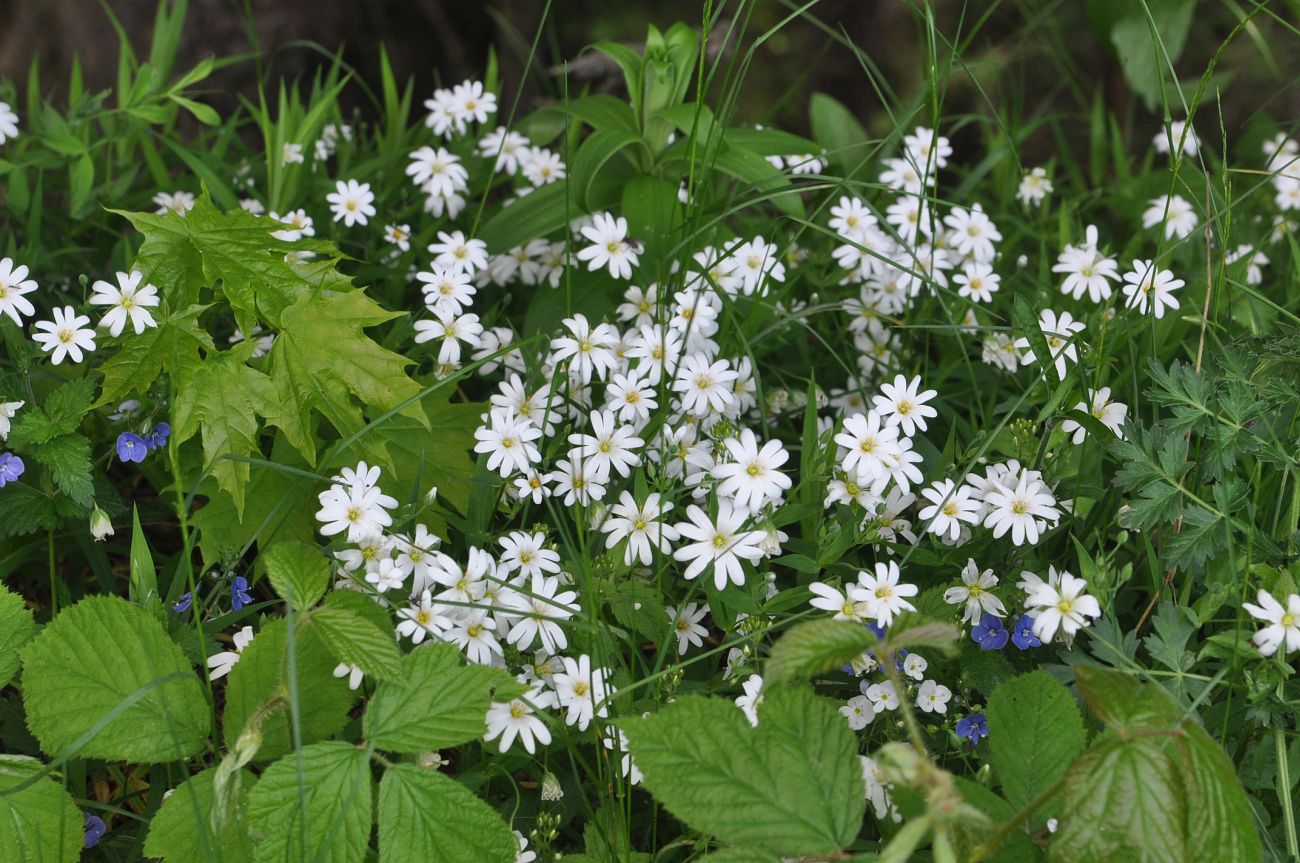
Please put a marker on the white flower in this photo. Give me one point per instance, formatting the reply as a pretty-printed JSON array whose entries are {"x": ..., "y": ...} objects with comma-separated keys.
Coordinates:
[
  {"x": 609, "y": 246},
  {"x": 1109, "y": 413},
  {"x": 686, "y": 625},
  {"x": 972, "y": 233},
  {"x": 1064, "y": 607},
  {"x": 543, "y": 607},
  {"x": 1283, "y": 623},
  {"x": 422, "y": 618},
  {"x": 1019, "y": 509},
  {"x": 883, "y": 696},
  {"x": 1174, "y": 212},
  {"x": 527, "y": 554},
  {"x": 541, "y": 166},
  {"x": 1086, "y": 269},
  {"x": 640, "y": 525},
  {"x": 291, "y": 154},
  {"x": 977, "y": 282},
  {"x": 588, "y": 349},
  {"x": 66, "y": 336},
  {"x": 351, "y": 202},
  {"x": 456, "y": 252},
  {"x": 474, "y": 634},
  {"x": 437, "y": 172},
  {"x": 852, "y": 604},
  {"x": 14, "y": 282},
  {"x": 398, "y": 235},
  {"x": 752, "y": 699},
  {"x": 705, "y": 387},
  {"x": 219, "y": 664},
  {"x": 900, "y": 404},
  {"x": 386, "y": 576},
  {"x": 300, "y": 225},
  {"x": 452, "y": 329},
  {"x": 129, "y": 302},
  {"x": 975, "y": 593},
  {"x": 722, "y": 544},
  {"x": 756, "y": 262},
  {"x": 612, "y": 445},
  {"x": 914, "y": 666},
  {"x": 631, "y": 397},
  {"x": 518, "y": 718},
  {"x": 507, "y": 440},
  {"x": 447, "y": 289},
  {"x": 8, "y": 123},
  {"x": 752, "y": 478},
  {"x": 578, "y": 481},
  {"x": 1034, "y": 187},
  {"x": 1148, "y": 285},
  {"x": 878, "y": 791},
  {"x": 470, "y": 101},
  {"x": 1059, "y": 331},
  {"x": 7, "y": 411},
  {"x": 1178, "y": 138},
  {"x": 858, "y": 711},
  {"x": 884, "y": 594},
  {"x": 950, "y": 506},
  {"x": 179, "y": 203},
  {"x": 582, "y": 690},
  {"x": 506, "y": 146},
  {"x": 933, "y": 697},
  {"x": 353, "y": 673},
  {"x": 872, "y": 447},
  {"x": 361, "y": 509}
]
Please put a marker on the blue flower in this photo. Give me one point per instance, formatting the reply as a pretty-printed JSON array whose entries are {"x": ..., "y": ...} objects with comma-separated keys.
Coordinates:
[
  {"x": 158, "y": 435},
  {"x": 239, "y": 595},
  {"x": 973, "y": 727},
  {"x": 184, "y": 605},
  {"x": 131, "y": 447},
  {"x": 95, "y": 829},
  {"x": 1023, "y": 633},
  {"x": 11, "y": 467},
  {"x": 989, "y": 633}
]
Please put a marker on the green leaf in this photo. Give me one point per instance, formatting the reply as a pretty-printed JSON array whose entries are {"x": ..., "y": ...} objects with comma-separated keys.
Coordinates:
[
  {"x": 143, "y": 588},
  {"x": 816, "y": 646},
  {"x": 1026, "y": 322},
  {"x": 434, "y": 451},
  {"x": 59, "y": 415},
  {"x": 1124, "y": 702},
  {"x": 435, "y": 702},
  {"x": 182, "y": 830},
  {"x": 755, "y": 171},
  {"x": 68, "y": 459},
  {"x": 638, "y": 605},
  {"x": 313, "y": 805},
  {"x": 221, "y": 398},
  {"x": 137, "y": 698},
  {"x": 834, "y": 127},
  {"x": 424, "y": 815},
  {"x": 1121, "y": 801},
  {"x": 174, "y": 344},
  {"x": 17, "y": 626},
  {"x": 1146, "y": 56},
  {"x": 537, "y": 214},
  {"x": 1035, "y": 732},
  {"x": 322, "y": 355},
  {"x": 599, "y": 147},
  {"x": 262, "y": 673},
  {"x": 1219, "y": 813},
  {"x": 41, "y": 823},
  {"x": 354, "y": 640},
  {"x": 205, "y": 114},
  {"x": 791, "y": 786},
  {"x": 298, "y": 572},
  {"x": 653, "y": 213},
  {"x": 740, "y": 855}
]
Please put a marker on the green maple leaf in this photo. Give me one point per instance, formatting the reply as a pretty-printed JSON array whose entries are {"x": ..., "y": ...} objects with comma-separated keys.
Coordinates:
[
  {"x": 322, "y": 355},
  {"x": 220, "y": 399},
  {"x": 176, "y": 344}
]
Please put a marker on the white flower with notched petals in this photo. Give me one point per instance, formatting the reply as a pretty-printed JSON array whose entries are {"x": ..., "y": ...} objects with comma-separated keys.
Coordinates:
[
  {"x": 582, "y": 691},
  {"x": 752, "y": 477},
  {"x": 610, "y": 246},
  {"x": 719, "y": 543},
  {"x": 752, "y": 699},
  {"x": 1111, "y": 414},
  {"x": 1062, "y": 607},
  {"x": 351, "y": 202},
  {"x": 421, "y": 619},
  {"x": 219, "y": 664},
  {"x": 950, "y": 506},
  {"x": 884, "y": 594},
  {"x": 128, "y": 302},
  {"x": 518, "y": 718},
  {"x": 67, "y": 336},
  {"x": 640, "y": 526},
  {"x": 1283, "y": 628},
  {"x": 686, "y": 625},
  {"x": 13, "y": 285},
  {"x": 975, "y": 593},
  {"x": 1148, "y": 286}
]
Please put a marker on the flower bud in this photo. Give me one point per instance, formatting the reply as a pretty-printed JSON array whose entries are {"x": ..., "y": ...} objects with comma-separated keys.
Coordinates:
[{"x": 101, "y": 527}]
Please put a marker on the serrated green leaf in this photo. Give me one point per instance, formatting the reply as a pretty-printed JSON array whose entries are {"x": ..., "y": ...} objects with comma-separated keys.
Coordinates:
[
  {"x": 424, "y": 815},
  {"x": 1123, "y": 702},
  {"x": 1219, "y": 813},
  {"x": 816, "y": 646},
  {"x": 221, "y": 399},
  {"x": 354, "y": 640},
  {"x": 24, "y": 510},
  {"x": 112, "y": 659},
  {"x": 791, "y": 786},
  {"x": 17, "y": 626},
  {"x": 68, "y": 459},
  {"x": 182, "y": 830},
  {"x": 313, "y": 805},
  {"x": 41, "y": 823},
  {"x": 174, "y": 345},
  {"x": 298, "y": 573},
  {"x": 1035, "y": 732},
  {"x": 262, "y": 673},
  {"x": 60, "y": 414},
  {"x": 435, "y": 702}
]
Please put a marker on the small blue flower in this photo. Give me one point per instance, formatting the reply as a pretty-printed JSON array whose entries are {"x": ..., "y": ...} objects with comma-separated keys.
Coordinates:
[
  {"x": 1022, "y": 634},
  {"x": 184, "y": 605},
  {"x": 973, "y": 727},
  {"x": 95, "y": 829},
  {"x": 239, "y": 595},
  {"x": 158, "y": 435},
  {"x": 989, "y": 633},
  {"x": 131, "y": 447},
  {"x": 11, "y": 467}
]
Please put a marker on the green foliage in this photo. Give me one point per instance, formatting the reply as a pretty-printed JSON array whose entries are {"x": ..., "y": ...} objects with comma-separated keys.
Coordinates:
[
  {"x": 355, "y": 640},
  {"x": 1035, "y": 731},
  {"x": 138, "y": 701},
  {"x": 434, "y": 702},
  {"x": 298, "y": 573},
  {"x": 48, "y": 433},
  {"x": 40, "y": 821},
  {"x": 189, "y": 826},
  {"x": 816, "y": 646},
  {"x": 424, "y": 815},
  {"x": 704, "y": 763},
  {"x": 315, "y": 804},
  {"x": 16, "y": 629}
]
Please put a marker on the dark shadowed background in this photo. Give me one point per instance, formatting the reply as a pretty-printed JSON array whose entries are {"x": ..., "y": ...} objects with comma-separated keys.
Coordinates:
[{"x": 1025, "y": 58}]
